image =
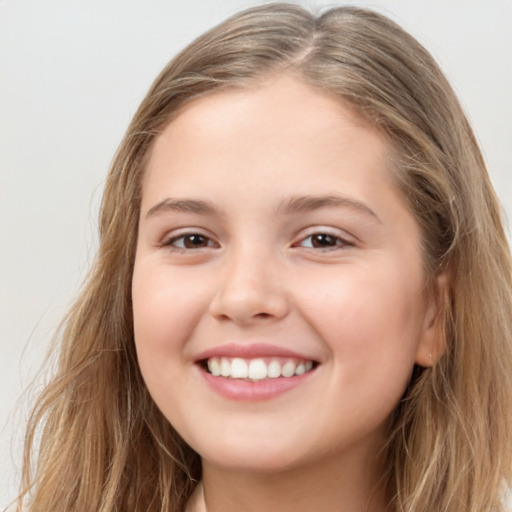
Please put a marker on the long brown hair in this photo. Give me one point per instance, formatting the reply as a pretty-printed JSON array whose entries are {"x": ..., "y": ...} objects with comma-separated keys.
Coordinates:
[{"x": 100, "y": 443}]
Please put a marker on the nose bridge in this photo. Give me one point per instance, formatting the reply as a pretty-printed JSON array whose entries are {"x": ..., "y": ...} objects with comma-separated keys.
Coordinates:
[{"x": 250, "y": 287}]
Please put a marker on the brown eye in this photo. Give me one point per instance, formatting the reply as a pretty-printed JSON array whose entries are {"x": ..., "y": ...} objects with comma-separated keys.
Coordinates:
[
  {"x": 191, "y": 241},
  {"x": 195, "y": 241},
  {"x": 322, "y": 241}
]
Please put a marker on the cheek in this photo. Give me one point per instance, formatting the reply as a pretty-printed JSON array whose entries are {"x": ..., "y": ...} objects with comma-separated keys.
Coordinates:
[
  {"x": 165, "y": 305},
  {"x": 165, "y": 311},
  {"x": 371, "y": 320}
]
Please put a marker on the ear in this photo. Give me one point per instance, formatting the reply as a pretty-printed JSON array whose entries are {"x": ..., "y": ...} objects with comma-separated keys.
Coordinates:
[{"x": 433, "y": 335}]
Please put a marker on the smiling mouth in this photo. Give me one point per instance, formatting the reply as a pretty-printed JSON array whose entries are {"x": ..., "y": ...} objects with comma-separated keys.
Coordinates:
[{"x": 257, "y": 369}]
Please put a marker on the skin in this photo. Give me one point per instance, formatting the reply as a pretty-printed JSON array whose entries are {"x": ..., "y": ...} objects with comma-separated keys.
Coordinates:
[{"x": 357, "y": 306}]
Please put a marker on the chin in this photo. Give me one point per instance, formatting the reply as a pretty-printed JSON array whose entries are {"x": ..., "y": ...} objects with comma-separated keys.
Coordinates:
[
  {"x": 254, "y": 461},
  {"x": 268, "y": 454}
]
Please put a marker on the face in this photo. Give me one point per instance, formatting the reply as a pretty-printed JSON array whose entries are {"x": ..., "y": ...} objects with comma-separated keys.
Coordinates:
[{"x": 278, "y": 288}]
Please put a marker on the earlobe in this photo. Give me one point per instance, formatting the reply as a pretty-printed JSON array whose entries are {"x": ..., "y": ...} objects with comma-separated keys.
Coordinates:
[{"x": 432, "y": 344}]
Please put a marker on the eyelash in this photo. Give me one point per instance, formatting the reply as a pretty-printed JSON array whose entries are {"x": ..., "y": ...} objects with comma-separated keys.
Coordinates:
[
  {"x": 171, "y": 243},
  {"x": 339, "y": 242},
  {"x": 333, "y": 242}
]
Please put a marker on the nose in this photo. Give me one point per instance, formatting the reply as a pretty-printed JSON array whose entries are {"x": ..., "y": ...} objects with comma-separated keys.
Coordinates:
[{"x": 250, "y": 291}]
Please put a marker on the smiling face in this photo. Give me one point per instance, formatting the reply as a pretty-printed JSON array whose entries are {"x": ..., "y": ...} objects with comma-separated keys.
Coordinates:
[{"x": 278, "y": 288}]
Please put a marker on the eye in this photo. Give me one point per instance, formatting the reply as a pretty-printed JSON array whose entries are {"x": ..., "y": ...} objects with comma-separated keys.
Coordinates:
[
  {"x": 190, "y": 241},
  {"x": 323, "y": 241}
]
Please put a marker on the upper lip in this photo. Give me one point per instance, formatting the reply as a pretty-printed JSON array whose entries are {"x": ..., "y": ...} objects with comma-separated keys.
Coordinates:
[{"x": 249, "y": 351}]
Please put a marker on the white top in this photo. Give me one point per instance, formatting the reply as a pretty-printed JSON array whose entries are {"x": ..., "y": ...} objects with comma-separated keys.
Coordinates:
[{"x": 196, "y": 501}]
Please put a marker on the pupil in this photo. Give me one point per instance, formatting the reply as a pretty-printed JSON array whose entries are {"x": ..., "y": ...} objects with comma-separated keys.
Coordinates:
[
  {"x": 324, "y": 240},
  {"x": 194, "y": 241}
]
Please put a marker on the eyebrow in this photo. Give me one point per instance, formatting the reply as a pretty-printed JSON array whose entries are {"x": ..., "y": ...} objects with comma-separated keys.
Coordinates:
[
  {"x": 295, "y": 204},
  {"x": 182, "y": 205},
  {"x": 299, "y": 204}
]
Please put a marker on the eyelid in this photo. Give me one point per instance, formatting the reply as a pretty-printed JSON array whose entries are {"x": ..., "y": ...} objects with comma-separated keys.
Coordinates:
[
  {"x": 346, "y": 239},
  {"x": 170, "y": 238}
]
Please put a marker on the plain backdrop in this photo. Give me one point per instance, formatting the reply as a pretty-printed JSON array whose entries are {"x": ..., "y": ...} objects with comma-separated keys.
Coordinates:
[{"x": 71, "y": 76}]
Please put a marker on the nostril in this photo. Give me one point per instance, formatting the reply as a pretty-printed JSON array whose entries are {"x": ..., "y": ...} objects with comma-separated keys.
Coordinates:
[{"x": 244, "y": 302}]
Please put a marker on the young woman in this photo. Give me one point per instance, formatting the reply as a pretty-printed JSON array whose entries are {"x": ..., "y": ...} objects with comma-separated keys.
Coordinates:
[{"x": 302, "y": 298}]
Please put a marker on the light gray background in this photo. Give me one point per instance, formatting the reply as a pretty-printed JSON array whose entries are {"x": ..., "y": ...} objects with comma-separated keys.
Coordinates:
[{"x": 71, "y": 76}]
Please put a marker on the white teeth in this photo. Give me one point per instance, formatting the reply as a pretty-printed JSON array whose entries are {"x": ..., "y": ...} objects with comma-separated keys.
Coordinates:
[
  {"x": 288, "y": 369},
  {"x": 274, "y": 369},
  {"x": 257, "y": 369},
  {"x": 214, "y": 366},
  {"x": 239, "y": 369},
  {"x": 301, "y": 368},
  {"x": 225, "y": 367}
]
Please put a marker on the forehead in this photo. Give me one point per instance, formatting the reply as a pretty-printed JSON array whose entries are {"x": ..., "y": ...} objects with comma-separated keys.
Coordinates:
[
  {"x": 277, "y": 91},
  {"x": 265, "y": 124}
]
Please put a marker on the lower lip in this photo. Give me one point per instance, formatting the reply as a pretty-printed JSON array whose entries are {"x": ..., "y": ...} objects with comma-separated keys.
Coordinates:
[{"x": 248, "y": 391}]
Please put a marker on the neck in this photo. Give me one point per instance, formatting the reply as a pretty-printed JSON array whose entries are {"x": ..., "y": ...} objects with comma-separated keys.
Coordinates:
[{"x": 350, "y": 484}]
